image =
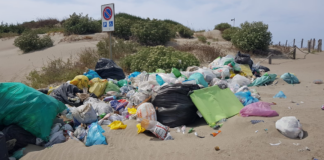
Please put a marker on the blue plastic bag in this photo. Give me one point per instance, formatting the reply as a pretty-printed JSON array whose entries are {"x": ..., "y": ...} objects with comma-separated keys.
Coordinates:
[
  {"x": 95, "y": 136},
  {"x": 199, "y": 78},
  {"x": 91, "y": 74},
  {"x": 246, "y": 98},
  {"x": 280, "y": 95},
  {"x": 134, "y": 74},
  {"x": 159, "y": 80},
  {"x": 290, "y": 78}
]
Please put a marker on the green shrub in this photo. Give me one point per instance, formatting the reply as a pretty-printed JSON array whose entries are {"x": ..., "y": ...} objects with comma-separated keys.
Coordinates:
[
  {"x": 185, "y": 32},
  {"x": 30, "y": 41},
  {"x": 12, "y": 28},
  {"x": 222, "y": 26},
  {"x": 122, "y": 28},
  {"x": 153, "y": 32},
  {"x": 128, "y": 16},
  {"x": 252, "y": 36},
  {"x": 151, "y": 58},
  {"x": 78, "y": 24},
  {"x": 202, "y": 39},
  {"x": 228, "y": 33},
  {"x": 8, "y": 35},
  {"x": 119, "y": 49},
  {"x": 49, "y": 22}
]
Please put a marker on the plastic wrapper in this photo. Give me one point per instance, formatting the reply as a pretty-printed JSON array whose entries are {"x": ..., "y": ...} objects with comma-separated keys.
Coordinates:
[
  {"x": 222, "y": 73},
  {"x": 100, "y": 107},
  {"x": 126, "y": 89}
]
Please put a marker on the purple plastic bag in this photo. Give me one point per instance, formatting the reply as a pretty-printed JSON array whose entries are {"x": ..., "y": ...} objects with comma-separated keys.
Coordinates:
[{"x": 262, "y": 109}]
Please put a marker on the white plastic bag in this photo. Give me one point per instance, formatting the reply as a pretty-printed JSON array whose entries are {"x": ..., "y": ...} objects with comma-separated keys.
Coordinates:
[
  {"x": 84, "y": 113},
  {"x": 168, "y": 78},
  {"x": 222, "y": 73},
  {"x": 146, "y": 111},
  {"x": 241, "y": 80},
  {"x": 208, "y": 74},
  {"x": 99, "y": 106},
  {"x": 233, "y": 86},
  {"x": 215, "y": 63},
  {"x": 290, "y": 127}
]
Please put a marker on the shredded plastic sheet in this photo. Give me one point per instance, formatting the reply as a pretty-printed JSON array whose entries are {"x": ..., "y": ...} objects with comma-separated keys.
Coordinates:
[{"x": 275, "y": 144}]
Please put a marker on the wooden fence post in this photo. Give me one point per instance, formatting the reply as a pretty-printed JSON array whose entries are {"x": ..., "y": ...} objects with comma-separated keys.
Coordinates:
[
  {"x": 319, "y": 45},
  {"x": 313, "y": 47},
  {"x": 294, "y": 43},
  {"x": 279, "y": 43},
  {"x": 301, "y": 46},
  {"x": 286, "y": 42},
  {"x": 270, "y": 60},
  {"x": 294, "y": 53},
  {"x": 309, "y": 46}
]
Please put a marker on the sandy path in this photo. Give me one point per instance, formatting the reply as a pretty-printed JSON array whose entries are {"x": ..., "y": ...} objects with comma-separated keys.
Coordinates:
[
  {"x": 238, "y": 139},
  {"x": 14, "y": 66}
]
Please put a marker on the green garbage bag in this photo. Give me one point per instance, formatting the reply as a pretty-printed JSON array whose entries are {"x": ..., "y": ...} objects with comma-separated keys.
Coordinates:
[
  {"x": 160, "y": 71},
  {"x": 28, "y": 108},
  {"x": 264, "y": 80},
  {"x": 111, "y": 86},
  {"x": 215, "y": 104},
  {"x": 176, "y": 72},
  {"x": 122, "y": 83}
]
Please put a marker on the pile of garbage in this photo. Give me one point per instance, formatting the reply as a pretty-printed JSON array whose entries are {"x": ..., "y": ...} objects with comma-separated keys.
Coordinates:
[{"x": 105, "y": 96}]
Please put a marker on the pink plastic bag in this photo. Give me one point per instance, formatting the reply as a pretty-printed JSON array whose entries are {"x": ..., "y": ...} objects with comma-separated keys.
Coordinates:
[{"x": 262, "y": 109}]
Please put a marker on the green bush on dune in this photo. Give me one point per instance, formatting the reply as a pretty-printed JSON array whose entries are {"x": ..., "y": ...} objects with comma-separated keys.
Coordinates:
[
  {"x": 252, "y": 36},
  {"x": 150, "y": 59},
  {"x": 185, "y": 32},
  {"x": 154, "y": 32},
  {"x": 229, "y": 32},
  {"x": 222, "y": 26},
  {"x": 30, "y": 41},
  {"x": 79, "y": 24}
]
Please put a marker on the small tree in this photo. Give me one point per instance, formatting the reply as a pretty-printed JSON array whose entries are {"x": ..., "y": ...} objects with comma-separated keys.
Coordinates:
[
  {"x": 252, "y": 36},
  {"x": 222, "y": 26}
]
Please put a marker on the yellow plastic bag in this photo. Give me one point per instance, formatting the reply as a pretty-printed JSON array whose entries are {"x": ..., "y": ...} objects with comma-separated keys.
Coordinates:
[
  {"x": 97, "y": 86},
  {"x": 80, "y": 81},
  {"x": 245, "y": 68},
  {"x": 51, "y": 89},
  {"x": 131, "y": 110},
  {"x": 140, "y": 129},
  {"x": 117, "y": 125}
]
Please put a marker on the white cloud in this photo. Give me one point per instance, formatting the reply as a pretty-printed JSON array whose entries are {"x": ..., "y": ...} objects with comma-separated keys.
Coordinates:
[{"x": 287, "y": 19}]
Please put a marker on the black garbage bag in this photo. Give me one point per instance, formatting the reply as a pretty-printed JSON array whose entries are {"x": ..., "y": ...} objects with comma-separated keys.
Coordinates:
[
  {"x": 23, "y": 137},
  {"x": 265, "y": 69},
  {"x": 66, "y": 91},
  {"x": 107, "y": 68},
  {"x": 241, "y": 58},
  {"x": 44, "y": 90},
  {"x": 174, "y": 105},
  {"x": 3, "y": 147}
]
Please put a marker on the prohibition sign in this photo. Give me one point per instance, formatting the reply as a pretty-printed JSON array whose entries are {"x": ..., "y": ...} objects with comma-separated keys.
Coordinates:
[{"x": 107, "y": 13}]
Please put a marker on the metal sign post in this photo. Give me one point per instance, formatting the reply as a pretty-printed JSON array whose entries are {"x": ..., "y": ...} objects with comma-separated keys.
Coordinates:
[{"x": 108, "y": 21}]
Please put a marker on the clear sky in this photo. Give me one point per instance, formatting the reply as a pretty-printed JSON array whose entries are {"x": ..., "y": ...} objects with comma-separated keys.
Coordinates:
[{"x": 287, "y": 19}]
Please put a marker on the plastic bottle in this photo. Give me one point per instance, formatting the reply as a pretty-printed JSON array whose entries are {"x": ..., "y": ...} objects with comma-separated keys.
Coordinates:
[
  {"x": 109, "y": 98},
  {"x": 159, "y": 80}
]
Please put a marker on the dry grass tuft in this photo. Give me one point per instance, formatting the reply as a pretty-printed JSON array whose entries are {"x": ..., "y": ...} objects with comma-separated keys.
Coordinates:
[{"x": 204, "y": 53}]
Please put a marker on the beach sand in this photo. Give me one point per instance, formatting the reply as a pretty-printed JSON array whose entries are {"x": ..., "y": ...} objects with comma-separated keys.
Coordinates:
[{"x": 238, "y": 139}]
